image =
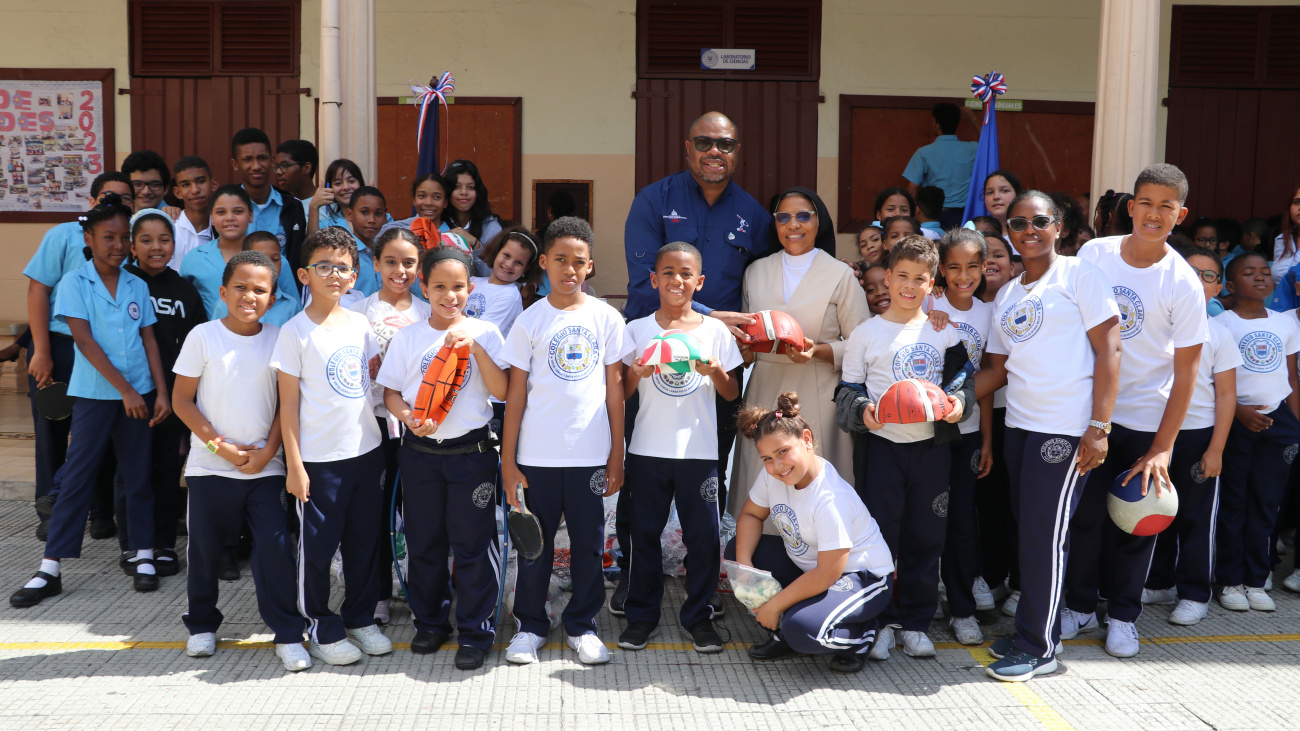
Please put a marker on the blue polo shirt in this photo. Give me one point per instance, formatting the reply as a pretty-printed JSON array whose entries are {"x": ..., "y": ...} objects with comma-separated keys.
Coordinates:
[
  {"x": 115, "y": 324},
  {"x": 367, "y": 277},
  {"x": 946, "y": 164},
  {"x": 285, "y": 307},
  {"x": 267, "y": 217},
  {"x": 204, "y": 267},
  {"x": 60, "y": 252},
  {"x": 729, "y": 234}
]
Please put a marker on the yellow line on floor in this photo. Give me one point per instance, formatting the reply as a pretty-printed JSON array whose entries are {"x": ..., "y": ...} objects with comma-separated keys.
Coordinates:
[{"x": 1045, "y": 714}]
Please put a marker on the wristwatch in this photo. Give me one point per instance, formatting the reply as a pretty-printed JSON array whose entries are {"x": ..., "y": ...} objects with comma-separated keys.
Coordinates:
[{"x": 1104, "y": 426}]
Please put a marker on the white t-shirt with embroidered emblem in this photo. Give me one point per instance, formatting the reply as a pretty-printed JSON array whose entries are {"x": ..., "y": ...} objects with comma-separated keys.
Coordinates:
[
  {"x": 385, "y": 321},
  {"x": 1219, "y": 354},
  {"x": 880, "y": 352},
  {"x": 1264, "y": 344},
  {"x": 335, "y": 420},
  {"x": 1162, "y": 307},
  {"x": 1043, "y": 331},
  {"x": 973, "y": 328},
  {"x": 414, "y": 348},
  {"x": 827, "y": 515},
  {"x": 678, "y": 414},
  {"x": 565, "y": 353},
  {"x": 499, "y": 304}
]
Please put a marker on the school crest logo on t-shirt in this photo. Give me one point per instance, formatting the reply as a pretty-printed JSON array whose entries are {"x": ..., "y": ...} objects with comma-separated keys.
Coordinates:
[
  {"x": 677, "y": 385},
  {"x": 476, "y": 305},
  {"x": 1022, "y": 321},
  {"x": 971, "y": 338},
  {"x": 133, "y": 310},
  {"x": 1131, "y": 312},
  {"x": 921, "y": 360},
  {"x": 347, "y": 373},
  {"x": 1261, "y": 351},
  {"x": 574, "y": 353},
  {"x": 788, "y": 523}
]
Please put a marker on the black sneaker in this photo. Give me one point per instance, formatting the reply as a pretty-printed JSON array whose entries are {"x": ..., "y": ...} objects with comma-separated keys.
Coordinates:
[
  {"x": 101, "y": 528},
  {"x": 227, "y": 566},
  {"x": 25, "y": 597},
  {"x": 426, "y": 643},
  {"x": 127, "y": 562},
  {"x": 637, "y": 635},
  {"x": 43, "y": 530},
  {"x": 619, "y": 597},
  {"x": 716, "y": 609},
  {"x": 848, "y": 662},
  {"x": 469, "y": 658},
  {"x": 45, "y": 506},
  {"x": 704, "y": 638},
  {"x": 167, "y": 562},
  {"x": 145, "y": 582},
  {"x": 773, "y": 649}
]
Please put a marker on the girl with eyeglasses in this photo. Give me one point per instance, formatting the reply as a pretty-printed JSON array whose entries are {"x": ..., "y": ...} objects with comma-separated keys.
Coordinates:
[{"x": 823, "y": 295}]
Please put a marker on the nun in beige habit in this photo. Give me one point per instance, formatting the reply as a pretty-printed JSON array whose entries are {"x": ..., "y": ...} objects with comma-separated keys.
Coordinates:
[{"x": 806, "y": 282}]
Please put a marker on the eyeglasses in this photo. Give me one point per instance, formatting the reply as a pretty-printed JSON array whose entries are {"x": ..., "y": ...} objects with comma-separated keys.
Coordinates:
[
  {"x": 800, "y": 216},
  {"x": 725, "y": 145},
  {"x": 1209, "y": 276},
  {"x": 324, "y": 269},
  {"x": 154, "y": 186},
  {"x": 1040, "y": 223},
  {"x": 1207, "y": 240},
  {"x": 283, "y": 167}
]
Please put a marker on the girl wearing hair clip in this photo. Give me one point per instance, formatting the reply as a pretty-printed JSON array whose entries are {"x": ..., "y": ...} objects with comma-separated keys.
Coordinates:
[{"x": 497, "y": 297}]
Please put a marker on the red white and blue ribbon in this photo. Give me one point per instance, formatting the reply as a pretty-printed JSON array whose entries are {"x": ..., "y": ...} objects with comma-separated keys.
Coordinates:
[
  {"x": 426, "y": 96},
  {"x": 987, "y": 89}
]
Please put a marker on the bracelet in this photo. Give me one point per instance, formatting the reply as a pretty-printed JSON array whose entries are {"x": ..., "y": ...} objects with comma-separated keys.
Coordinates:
[{"x": 212, "y": 445}]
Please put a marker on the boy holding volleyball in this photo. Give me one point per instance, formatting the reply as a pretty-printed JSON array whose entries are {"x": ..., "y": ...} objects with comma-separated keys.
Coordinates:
[
  {"x": 906, "y": 485},
  {"x": 674, "y": 450},
  {"x": 1162, "y": 327}
]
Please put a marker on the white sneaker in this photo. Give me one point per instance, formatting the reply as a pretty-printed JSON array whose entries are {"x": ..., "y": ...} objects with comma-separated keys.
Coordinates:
[
  {"x": 335, "y": 653},
  {"x": 967, "y": 630},
  {"x": 383, "y": 615},
  {"x": 371, "y": 641},
  {"x": 1259, "y": 600},
  {"x": 1292, "y": 582},
  {"x": 983, "y": 595},
  {"x": 294, "y": 656},
  {"x": 591, "y": 651},
  {"x": 523, "y": 648},
  {"x": 204, "y": 644},
  {"x": 1000, "y": 592},
  {"x": 1011, "y": 604},
  {"x": 1121, "y": 638},
  {"x": 916, "y": 644},
  {"x": 1188, "y": 612},
  {"x": 884, "y": 643},
  {"x": 1268, "y": 583},
  {"x": 1072, "y": 623},
  {"x": 1234, "y": 598},
  {"x": 1160, "y": 596}
]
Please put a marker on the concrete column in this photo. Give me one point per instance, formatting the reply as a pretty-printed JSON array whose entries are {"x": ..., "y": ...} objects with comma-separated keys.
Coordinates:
[
  {"x": 357, "y": 56},
  {"x": 328, "y": 142},
  {"x": 1128, "y": 65}
]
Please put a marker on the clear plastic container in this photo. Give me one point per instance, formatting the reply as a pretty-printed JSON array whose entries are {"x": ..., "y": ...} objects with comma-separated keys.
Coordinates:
[{"x": 752, "y": 587}]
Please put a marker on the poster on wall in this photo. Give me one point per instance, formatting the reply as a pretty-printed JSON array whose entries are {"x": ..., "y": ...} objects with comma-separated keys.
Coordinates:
[{"x": 55, "y": 137}]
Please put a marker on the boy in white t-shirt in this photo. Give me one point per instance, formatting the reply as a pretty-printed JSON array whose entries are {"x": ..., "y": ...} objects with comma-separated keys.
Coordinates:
[
  {"x": 226, "y": 394},
  {"x": 563, "y": 436},
  {"x": 674, "y": 452},
  {"x": 332, "y": 455},
  {"x": 1262, "y": 443},
  {"x": 906, "y": 485},
  {"x": 1162, "y": 328}
]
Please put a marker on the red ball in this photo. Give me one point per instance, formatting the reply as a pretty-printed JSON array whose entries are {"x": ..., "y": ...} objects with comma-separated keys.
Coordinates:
[
  {"x": 912, "y": 401},
  {"x": 771, "y": 329}
]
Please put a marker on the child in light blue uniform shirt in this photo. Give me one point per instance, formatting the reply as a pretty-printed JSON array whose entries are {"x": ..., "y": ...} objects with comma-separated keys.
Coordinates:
[{"x": 232, "y": 213}]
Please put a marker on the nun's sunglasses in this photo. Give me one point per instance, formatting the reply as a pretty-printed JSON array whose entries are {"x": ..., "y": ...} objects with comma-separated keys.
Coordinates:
[
  {"x": 725, "y": 145},
  {"x": 801, "y": 217}
]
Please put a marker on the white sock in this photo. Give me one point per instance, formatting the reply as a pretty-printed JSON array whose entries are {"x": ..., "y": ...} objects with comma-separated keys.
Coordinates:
[
  {"x": 47, "y": 566},
  {"x": 144, "y": 568}
]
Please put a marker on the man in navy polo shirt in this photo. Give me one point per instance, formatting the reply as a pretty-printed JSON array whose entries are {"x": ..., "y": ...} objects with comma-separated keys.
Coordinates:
[{"x": 703, "y": 207}]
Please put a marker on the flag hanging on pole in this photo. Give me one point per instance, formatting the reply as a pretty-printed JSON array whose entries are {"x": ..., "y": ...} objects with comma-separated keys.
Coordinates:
[
  {"x": 427, "y": 98},
  {"x": 987, "y": 89}
]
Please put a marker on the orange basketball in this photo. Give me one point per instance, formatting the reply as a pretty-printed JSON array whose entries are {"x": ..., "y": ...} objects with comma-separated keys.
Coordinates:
[
  {"x": 442, "y": 381},
  {"x": 426, "y": 231},
  {"x": 912, "y": 401}
]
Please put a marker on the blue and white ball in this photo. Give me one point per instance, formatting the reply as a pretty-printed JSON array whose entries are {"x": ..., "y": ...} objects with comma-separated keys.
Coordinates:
[{"x": 1141, "y": 515}]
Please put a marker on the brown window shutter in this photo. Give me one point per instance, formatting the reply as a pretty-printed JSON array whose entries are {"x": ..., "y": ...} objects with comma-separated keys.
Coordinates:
[
  {"x": 783, "y": 36},
  {"x": 258, "y": 38},
  {"x": 1282, "y": 54},
  {"x": 171, "y": 39},
  {"x": 676, "y": 31},
  {"x": 1215, "y": 46}
]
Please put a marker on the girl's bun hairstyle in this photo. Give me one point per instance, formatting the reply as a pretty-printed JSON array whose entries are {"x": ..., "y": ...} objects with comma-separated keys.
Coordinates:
[
  {"x": 110, "y": 205},
  {"x": 756, "y": 422}
]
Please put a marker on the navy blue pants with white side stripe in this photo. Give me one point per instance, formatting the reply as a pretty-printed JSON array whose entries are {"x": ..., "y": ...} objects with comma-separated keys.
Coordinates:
[
  {"x": 1256, "y": 466},
  {"x": 652, "y": 485},
  {"x": 342, "y": 513},
  {"x": 218, "y": 507},
  {"x": 961, "y": 549},
  {"x": 843, "y": 618},
  {"x": 907, "y": 494},
  {"x": 577, "y": 494},
  {"x": 449, "y": 504},
  {"x": 1044, "y": 493},
  {"x": 1104, "y": 560},
  {"x": 1185, "y": 550}
]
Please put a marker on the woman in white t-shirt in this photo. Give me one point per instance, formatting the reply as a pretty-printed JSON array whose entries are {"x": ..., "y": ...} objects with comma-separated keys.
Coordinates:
[
  {"x": 830, "y": 557},
  {"x": 1055, "y": 344}
]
